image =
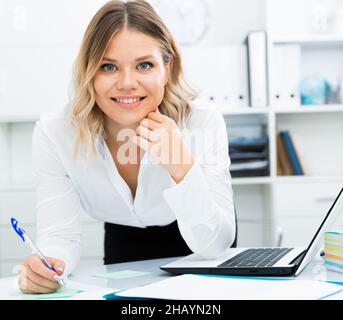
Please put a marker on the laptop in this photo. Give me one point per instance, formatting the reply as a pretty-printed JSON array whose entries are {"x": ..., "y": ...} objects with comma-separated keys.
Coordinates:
[{"x": 259, "y": 261}]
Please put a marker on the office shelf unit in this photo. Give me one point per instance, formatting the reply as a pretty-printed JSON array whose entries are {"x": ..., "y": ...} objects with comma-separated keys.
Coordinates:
[
  {"x": 295, "y": 205},
  {"x": 298, "y": 203}
]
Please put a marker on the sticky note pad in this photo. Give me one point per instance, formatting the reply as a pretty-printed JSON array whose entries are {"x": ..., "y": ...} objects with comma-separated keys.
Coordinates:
[
  {"x": 122, "y": 274},
  {"x": 59, "y": 294}
]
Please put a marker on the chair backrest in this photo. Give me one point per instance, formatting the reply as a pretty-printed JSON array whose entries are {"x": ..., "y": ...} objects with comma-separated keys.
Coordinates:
[{"x": 234, "y": 244}]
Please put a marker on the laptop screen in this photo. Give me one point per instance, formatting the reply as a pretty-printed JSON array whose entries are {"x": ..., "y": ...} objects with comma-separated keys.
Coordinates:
[{"x": 334, "y": 211}]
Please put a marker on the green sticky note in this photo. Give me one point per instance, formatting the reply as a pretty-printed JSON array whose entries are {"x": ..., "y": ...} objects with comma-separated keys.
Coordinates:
[
  {"x": 123, "y": 274},
  {"x": 59, "y": 294}
]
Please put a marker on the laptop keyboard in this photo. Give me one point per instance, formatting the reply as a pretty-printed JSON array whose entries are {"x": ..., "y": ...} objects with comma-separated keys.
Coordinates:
[{"x": 264, "y": 257}]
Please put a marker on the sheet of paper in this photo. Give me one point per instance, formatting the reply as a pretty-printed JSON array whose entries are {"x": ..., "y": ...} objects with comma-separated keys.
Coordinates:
[
  {"x": 196, "y": 287},
  {"x": 74, "y": 290},
  {"x": 89, "y": 292},
  {"x": 337, "y": 296},
  {"x": 62, "y": 293},
  {"x": 123, "y": 274}
]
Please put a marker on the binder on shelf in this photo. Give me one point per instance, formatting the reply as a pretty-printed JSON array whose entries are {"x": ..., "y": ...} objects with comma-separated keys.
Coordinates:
[
  {"x": 277, "y": 75},
  {"x": 257, "y": 68},
  {"x": 237, "y": 77},
  {"x": 292, "y": 65},
  {"x": 279, "y": 171},
  {"x": 289, "y": 146},
  {"x": 283, "y": 162},
  {"x": 286, "y": 75},
  {"x": 225, "y": 87}
]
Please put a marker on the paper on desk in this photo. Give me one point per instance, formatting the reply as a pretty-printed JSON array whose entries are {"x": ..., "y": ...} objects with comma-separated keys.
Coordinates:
[
  {"x": 338, "y": 296},
  {"x": 123, "y": 274},
  {"x": 59, "y": 294},
  {"x": 74, "y": 290},
  {"x": 89, "y": 292},
  {"x": 196, "y": 287}
]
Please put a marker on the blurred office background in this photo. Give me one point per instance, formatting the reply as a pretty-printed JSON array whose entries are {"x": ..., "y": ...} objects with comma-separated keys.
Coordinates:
[{"x": 274, "y": 69}]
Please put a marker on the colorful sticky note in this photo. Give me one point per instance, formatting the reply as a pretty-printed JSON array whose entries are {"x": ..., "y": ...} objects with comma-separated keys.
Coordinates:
[
  {"x": 122, "y": 274},
  {"x": 62, "y": 293}
]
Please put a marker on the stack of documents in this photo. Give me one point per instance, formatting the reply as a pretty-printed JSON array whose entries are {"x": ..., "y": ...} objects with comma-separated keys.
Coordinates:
[
  {"x": 333, "y": 248},
  {"x": 201, "y": 287},
  {"x": 249, "y": 156}
]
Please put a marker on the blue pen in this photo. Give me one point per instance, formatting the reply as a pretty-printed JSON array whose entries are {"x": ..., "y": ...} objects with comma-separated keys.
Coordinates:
[{"x": 26, "y": 239}]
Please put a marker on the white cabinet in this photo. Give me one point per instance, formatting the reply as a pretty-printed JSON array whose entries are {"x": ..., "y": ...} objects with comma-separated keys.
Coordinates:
[
  {"x": 294, "y": 200},
  {"x": 298, "y": 231},
  {"x": 301, "y": 207},
  {"x": 253, "y": 214}
]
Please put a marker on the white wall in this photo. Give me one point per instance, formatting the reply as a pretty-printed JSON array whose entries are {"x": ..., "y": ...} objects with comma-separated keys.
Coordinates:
[{"x": 232, "y": 19}]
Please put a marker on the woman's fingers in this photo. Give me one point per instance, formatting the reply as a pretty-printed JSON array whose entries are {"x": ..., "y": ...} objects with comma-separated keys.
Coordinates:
[
  {"x": 23, "y": 284},
  {"x": 142, "y": 143},
  {"x": 38, "y": 266},
  {"x": 28, "y": 286},
  {"x": 150, "y": 123},
  {"x": 39, "y": 280},
  {"x": 58, "y": 265},
  {"x": 36, "y": 277},
  {"x": 146, "y": 133}
]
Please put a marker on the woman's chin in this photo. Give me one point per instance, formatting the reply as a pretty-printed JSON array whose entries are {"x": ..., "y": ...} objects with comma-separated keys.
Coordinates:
[
  {"x": 127, "y": 120},
  {"x": 128, "y": 117}
]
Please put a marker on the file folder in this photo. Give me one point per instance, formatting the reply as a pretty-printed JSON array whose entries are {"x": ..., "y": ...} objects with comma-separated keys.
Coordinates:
[
  {"x": 257, "y": 66},
  {"x": 291, "y": 75},
  {"x": 286, "y": 75},
  {"x": 292, "y": 153},
  {"x": 277, "y": 75}
]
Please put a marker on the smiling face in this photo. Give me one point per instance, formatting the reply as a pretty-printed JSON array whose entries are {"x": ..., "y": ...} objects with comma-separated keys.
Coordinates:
[{"x": 131, "y": 79}]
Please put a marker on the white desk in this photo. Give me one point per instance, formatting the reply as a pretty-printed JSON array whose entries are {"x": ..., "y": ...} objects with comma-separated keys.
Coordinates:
[{"x": 315, "y": 270}]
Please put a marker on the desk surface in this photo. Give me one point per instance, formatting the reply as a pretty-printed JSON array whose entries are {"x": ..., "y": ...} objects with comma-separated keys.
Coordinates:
[
  {"x": 154, "y": 273},
  {"x": 314, "y": 271}
]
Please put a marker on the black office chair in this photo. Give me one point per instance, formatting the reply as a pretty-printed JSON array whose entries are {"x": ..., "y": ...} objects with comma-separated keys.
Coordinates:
[{"x": 234, "y": 244}]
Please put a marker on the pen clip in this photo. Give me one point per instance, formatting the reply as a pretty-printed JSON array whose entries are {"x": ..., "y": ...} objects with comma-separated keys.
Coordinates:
[{"x": 17, "y": 229}]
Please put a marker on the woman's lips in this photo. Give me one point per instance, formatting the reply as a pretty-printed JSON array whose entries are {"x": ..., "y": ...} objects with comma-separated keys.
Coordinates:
[{"x": 128, "y": 105}]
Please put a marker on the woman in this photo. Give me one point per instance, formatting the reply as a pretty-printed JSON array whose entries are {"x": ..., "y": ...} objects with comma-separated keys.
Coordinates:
[{"x": 132, "y": 150}]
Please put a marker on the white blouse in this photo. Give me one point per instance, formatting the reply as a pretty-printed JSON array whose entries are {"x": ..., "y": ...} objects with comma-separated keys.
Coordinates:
[{"x": 202, "y": 203}]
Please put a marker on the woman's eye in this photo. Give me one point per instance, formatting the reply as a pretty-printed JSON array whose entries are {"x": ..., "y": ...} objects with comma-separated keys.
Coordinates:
[
  {"x": 145, "y": 66},
  {"x": 108, "y": 67}
]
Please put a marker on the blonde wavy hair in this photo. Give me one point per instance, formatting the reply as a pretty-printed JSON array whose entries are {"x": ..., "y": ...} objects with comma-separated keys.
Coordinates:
[{"x": 85, "y": 116}]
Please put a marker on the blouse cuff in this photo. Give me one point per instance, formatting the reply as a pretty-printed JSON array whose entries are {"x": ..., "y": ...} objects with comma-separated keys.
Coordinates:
[
  {"x": 190, "y": 199},
  {"x": 59, "y": 253}
]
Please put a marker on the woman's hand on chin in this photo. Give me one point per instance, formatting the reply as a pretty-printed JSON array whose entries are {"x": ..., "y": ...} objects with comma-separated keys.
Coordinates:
[{"x": 160, "y": 136}]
